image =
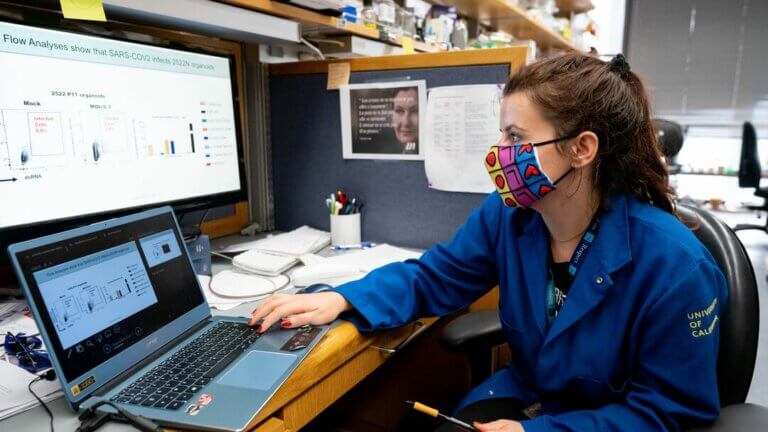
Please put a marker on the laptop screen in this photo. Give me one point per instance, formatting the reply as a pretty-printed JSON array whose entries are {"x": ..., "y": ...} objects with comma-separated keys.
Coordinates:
[{"x": 101, "y": 292}]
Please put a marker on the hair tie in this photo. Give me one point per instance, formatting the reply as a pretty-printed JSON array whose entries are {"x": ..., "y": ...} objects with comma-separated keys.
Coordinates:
[{"x": 620, "y": 66}]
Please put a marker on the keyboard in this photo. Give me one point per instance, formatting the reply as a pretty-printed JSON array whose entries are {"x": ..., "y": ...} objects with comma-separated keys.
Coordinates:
[{"x": 174, "y": 381}]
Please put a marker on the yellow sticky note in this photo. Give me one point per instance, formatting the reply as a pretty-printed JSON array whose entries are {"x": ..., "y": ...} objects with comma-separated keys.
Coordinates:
[
  {"x": 407, "y": 44},
  {"x": 92, "y": 10},
  {"x": 338, "y": 75}
]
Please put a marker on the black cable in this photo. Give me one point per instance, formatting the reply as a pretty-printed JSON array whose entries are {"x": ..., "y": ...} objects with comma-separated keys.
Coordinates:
[
  {"x": 93, "y": 422},
  {"x": 205, "y": 215},
  {"x": 137, "y": 421},
  {"x": 40, "y": 378}
]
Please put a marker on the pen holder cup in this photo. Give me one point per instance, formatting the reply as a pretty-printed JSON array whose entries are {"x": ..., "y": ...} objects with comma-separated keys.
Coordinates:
[{"x": 345, "y": 229}]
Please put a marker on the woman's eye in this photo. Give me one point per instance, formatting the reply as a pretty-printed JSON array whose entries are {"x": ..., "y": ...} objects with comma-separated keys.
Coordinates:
[{"x": 514, "y": 138}]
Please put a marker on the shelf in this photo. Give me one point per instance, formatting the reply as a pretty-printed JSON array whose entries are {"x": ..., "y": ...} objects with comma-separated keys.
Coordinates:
[
  {"x": 511, "y": 18},
  {"x": 568, "y": 7},
  {"x": 696, "y": 173},
  {"x": 316, "y": 22}
]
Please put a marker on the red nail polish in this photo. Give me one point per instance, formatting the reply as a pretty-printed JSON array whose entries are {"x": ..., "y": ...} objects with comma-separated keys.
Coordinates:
[
  {"x": 285, "y": 324},
  {"x": 260, "y": 329}
]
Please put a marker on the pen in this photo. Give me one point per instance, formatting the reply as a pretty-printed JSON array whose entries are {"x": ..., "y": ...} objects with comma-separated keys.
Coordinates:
[
  {"x": 363, "y": 245},
  {"x": 339, "y": 203},
  {"x": 435, "y": 413}
]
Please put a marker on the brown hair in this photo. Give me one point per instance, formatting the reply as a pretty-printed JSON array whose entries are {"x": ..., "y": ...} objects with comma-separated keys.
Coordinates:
[{"x": 577, "y": 92}]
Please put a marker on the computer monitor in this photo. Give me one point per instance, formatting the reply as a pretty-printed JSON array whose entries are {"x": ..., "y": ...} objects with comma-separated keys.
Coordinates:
[{"x": 92, "y": 125}]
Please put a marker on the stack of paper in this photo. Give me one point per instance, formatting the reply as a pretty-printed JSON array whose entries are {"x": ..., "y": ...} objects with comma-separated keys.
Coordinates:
[
  {"x": 295, "y": 243},
  {"x": 370, "y": 259},
  {"x": 14, "y": 318},
  {"x": 14, "y": 394},
  {"x": 351, "y": 265}
]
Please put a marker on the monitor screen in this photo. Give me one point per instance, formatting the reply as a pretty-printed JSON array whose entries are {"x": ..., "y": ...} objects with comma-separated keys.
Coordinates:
[
  {"x": 102, "y": 292},
  {"x": 90, "y": 125}
]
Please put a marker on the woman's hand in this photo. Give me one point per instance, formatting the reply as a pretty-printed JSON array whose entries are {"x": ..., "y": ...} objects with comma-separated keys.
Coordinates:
[
  {"x": 499, "y": 426},
  {"x": 299, "y": 310}
]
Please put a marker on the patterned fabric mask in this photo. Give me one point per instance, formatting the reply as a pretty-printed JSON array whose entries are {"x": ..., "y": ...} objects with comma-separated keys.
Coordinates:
[{"x": 517, "y": 174}]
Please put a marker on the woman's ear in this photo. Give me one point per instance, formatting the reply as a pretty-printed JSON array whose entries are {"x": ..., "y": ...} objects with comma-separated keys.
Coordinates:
[{"x": 584, "y": 149}]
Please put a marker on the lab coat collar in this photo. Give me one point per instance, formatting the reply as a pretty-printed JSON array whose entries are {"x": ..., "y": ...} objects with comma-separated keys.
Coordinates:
[{"x": 609, "y": 253}]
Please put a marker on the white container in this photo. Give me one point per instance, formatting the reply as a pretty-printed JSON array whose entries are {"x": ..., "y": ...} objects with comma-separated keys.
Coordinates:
[{"x": 345, "y": 229}]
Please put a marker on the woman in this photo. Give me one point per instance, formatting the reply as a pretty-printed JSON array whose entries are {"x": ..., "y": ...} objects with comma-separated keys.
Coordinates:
[
  {"x": 405, "y": 118},
  {"x": 609, "y": 303}
]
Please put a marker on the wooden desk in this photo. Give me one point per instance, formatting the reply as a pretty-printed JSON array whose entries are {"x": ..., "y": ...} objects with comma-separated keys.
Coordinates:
[{"x": 339, "y": 362}]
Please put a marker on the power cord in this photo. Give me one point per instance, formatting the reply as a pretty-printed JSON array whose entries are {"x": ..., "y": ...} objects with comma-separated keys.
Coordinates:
[
  {"x": 48, "y": 375},
  {"x": 92, "y": 419}
]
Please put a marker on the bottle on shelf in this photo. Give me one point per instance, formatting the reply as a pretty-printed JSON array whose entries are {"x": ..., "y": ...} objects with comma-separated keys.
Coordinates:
[{"x": 369, "y": 15}]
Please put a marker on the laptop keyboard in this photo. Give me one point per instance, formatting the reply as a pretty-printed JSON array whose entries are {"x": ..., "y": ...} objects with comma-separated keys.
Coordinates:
[{"x": 172, "y": 383}]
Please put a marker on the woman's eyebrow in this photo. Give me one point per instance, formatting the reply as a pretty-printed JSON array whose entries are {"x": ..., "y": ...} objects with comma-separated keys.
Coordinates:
[{"x": 509, "y": 128}]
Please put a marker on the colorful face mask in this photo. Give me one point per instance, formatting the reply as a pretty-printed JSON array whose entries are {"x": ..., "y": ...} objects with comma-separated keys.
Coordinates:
[{"x": 517, "y": 174}]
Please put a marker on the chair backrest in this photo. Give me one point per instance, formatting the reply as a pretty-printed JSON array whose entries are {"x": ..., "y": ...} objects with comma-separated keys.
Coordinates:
[
  {"x": 670, "y": 137},
  {"x": 740, "y": 319},
  {"x": 749, "y": 164}
]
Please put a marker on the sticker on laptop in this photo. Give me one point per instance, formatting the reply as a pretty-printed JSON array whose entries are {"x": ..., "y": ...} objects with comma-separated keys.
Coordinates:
[
  {"x": 194, "y": 409},
  {"x": 204, "y": 399},
  {"x": 76, "y": 389}
]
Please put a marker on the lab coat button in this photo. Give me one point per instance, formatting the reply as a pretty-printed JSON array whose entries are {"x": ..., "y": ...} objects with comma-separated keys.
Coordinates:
[{"x": 599, "y": 280}]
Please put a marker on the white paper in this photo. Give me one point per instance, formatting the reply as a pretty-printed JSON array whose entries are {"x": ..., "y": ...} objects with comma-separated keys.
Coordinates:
[
  {"x": 12, "y": 307},
  {"x": 14, "y": 319},
  {"x": 298, "y": 242},
  {"x": 462, "y": 124},
  {"x": 14, "y": 395},
  {"x": 19, "y": 324},
  {"x": 370, "y": 259},
  {"x": 374, "y": 123}
]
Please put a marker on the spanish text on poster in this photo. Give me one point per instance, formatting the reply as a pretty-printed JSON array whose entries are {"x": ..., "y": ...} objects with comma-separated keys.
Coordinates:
[{"x": 383, "y": 120}]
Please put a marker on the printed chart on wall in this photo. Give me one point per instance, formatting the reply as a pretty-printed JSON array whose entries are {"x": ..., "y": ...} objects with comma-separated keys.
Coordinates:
[
  {"x": 383, "y": 120},
  {"x": 462, "y": 124},
  {"x": 95, "y": 124}
]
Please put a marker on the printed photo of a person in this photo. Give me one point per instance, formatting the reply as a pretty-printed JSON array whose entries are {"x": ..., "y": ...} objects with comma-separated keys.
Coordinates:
[
  {"x": 396, "y": 129},
  {"x": 405, "y": 118}
]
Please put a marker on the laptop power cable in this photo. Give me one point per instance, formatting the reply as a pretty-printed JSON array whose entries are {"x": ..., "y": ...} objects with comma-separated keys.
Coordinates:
[
  {"x": 48, "y": 375},
  {"x": 91, "y": 419}
]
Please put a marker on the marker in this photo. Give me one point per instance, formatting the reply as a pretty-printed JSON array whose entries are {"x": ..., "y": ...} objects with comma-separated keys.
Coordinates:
[
  {"x": 435, "y": 413},
  {"x": 363, "y": 245}
]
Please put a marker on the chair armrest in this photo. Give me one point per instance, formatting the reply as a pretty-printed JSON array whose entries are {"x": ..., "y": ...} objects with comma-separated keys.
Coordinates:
[
  {"x": 473, "y": 331},
  {"x": 738, "y": 417}
]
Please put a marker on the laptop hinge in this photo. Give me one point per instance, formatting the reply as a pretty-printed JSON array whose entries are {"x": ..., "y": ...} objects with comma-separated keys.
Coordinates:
[{"x": 116, "y": 381}]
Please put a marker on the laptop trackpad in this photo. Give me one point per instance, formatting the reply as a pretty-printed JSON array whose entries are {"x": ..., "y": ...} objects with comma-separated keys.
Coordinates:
[{"x": 258, "y": 370}]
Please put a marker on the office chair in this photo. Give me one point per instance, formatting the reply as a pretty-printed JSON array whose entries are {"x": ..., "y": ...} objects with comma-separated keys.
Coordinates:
[
  {"x": 476, "y": 333},
  {"x": 670, "y": 137},
  {"x": 750, "y": 173}
]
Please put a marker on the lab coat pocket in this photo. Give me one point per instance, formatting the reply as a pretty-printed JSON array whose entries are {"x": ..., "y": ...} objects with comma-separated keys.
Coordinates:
[
  {"x": 594, "y": 393},
  {"x": 513, "y": 336},
  {"x": 520, "y": 349}
]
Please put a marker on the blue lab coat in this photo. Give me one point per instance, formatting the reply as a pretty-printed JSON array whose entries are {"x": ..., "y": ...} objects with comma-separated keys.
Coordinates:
[{"x": 633, "y": 348}]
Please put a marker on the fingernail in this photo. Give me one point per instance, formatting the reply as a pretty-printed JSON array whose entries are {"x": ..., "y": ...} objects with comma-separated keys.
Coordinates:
[
  {"x": 260, "y": 329},
  {"x": 285, "y": 324}
]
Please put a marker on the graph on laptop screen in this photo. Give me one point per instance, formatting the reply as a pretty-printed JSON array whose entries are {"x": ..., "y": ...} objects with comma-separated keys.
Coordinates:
[{"x": 90, "y": 125}]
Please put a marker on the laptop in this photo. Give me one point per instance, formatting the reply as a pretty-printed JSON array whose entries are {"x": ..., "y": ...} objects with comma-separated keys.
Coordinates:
[{"x": 124, "y": 319}]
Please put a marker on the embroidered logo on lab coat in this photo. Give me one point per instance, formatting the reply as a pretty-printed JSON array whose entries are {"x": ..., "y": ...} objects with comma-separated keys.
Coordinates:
[{"x": 702, "y": 323}]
